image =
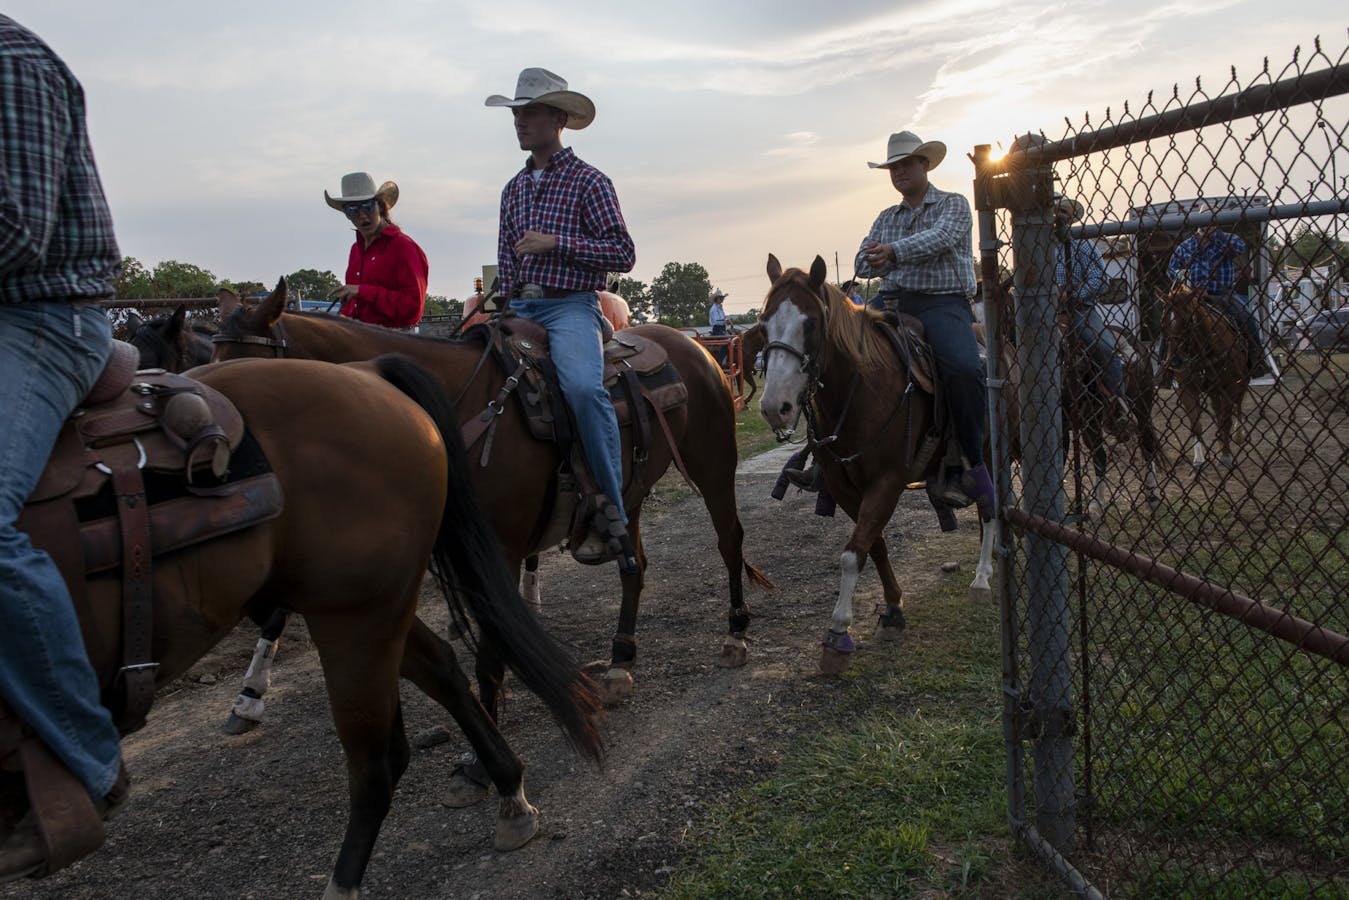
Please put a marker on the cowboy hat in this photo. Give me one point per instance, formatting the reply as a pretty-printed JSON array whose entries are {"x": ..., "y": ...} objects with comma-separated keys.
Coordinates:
[
  {"x": 1068, "y": 208},
  {"x": 904, "y": 144},
  {"x": 359, "y": 186},
  {"x": 718, "y": 294},
  {"x": 539, "y": 86}
]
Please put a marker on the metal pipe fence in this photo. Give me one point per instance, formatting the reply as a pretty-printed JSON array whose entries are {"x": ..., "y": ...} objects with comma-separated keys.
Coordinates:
[{"x": 1176, "y": 666}]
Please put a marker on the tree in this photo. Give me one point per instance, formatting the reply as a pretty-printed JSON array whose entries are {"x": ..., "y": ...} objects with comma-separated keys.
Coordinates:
[
  {"x": 437, "y": 305},
  {"x": 311, "y": 284},
  {"x": 133, "y": 282},
  {"x": 638, "y": 297},
  {"x": 246, "y": 288},
  {"x": 1310, "y": 246},
  {"x": 679, "y": 294},
  {"x": 179, "y": 279}
]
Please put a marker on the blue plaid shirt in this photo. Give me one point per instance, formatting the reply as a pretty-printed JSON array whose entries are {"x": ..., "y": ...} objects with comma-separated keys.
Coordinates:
[
  {"x": 56, "y": 237},
  {"x": 1211, "y": 266},
  {"x": 934, "y": 247},
  {"x": 1084, "y": 276}
]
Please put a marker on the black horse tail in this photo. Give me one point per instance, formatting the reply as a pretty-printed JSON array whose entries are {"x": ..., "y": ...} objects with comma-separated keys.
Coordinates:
[{"x": 469, "y": 565}]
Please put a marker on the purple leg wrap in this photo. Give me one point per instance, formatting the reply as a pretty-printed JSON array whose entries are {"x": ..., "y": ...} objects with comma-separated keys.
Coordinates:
[{"x": 840, "y": 643}]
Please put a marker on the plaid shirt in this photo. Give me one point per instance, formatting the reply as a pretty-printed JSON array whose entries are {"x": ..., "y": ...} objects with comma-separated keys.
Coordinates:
[
  {"x": 576, "y": 202},
  {"x": 1084, "y": 275},
  {"x": 1212, "y": 266},
  {"x": 934, "y": 248},
  {"x": 56, "y": 238}
]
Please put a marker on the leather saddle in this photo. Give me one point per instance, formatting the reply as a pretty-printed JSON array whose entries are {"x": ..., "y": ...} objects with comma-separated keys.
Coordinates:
[{"x": 141, "y": 469}]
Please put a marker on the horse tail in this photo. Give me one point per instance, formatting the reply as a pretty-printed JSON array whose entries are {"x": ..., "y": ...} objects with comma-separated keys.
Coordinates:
[
  {"x": 757, "y": 577},
  {"x": 468, "y": 563}
]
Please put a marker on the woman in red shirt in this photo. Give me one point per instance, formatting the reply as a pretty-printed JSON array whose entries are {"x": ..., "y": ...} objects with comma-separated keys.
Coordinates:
[{"x": 386, "y": 270}]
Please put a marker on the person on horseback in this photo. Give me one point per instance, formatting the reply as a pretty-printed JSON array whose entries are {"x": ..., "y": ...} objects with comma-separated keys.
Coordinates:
[
  {"x": 716, "y": 317},
  {"x": 1208, "y": 260},
  {"x": 561, "y": 233},
  {"x": 922, "y": 249},
  {"x": 1079, "y": 271},
  {"x": 386, "y": 270},
  {"x": 58, "y": 259}
]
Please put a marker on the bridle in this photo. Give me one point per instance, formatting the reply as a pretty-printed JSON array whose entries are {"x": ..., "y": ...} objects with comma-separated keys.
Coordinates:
[
  {"x": 811, "y": 362},
  {"x": 276, "y": 339}
]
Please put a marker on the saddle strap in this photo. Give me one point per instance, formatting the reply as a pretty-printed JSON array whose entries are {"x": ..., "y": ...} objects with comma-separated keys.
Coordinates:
[
  {"x": 641, "y": 422},
  {"x": 137, "y": 675},
  {"x": 670, "y": 441},
  {"x": 474, "y": 429}
]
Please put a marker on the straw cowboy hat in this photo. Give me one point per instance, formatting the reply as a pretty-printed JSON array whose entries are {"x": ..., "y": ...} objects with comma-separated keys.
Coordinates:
[
  {"x": 904, "y": 144},
  {"x": 539, "y": 86},
  {"x": 718, "y": 294},
  {"x": 359, "y": 186}
]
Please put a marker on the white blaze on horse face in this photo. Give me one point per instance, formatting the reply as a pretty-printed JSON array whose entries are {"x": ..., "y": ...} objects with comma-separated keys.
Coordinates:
[{"x": 783, "y": 379}]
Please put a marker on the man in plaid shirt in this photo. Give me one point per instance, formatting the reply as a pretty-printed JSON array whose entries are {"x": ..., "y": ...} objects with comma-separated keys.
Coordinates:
[
  {"x": 922, "y": 250},
  {"x": 1208, "y": 259},
  {"x": 58, "y": 258},
  {"x": 561, "y": 233}
]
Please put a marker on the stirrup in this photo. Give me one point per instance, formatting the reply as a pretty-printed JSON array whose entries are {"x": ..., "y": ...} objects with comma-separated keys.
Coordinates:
[{"x": 803, "y": 478}]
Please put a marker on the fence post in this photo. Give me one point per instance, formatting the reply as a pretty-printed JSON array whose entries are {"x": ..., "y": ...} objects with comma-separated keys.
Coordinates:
[{"x": 1049, "y": 699}]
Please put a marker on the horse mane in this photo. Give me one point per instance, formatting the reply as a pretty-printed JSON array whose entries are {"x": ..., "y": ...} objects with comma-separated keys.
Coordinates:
[{"x": 850, "y": 328}]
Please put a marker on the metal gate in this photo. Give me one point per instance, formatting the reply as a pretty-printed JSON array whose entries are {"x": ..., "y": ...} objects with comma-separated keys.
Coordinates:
[{"x": 1176, "y": 673}]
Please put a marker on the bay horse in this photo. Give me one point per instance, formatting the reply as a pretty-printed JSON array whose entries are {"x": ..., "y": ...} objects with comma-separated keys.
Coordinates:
[
  {"x": 172, "y": 342},
  {"x": 1208, "y": 354},
  {"x": 517, "y": 481},
  {"x": 827, "y": 359},
  {"x": 376, "y": 486}
]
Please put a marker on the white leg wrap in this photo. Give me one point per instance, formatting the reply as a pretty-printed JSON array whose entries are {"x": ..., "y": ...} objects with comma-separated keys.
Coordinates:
[
  {"x": 250, "y": 708},
  {"x": 984, "y": 570},
  {"x": 842, "y": 617},
  {"x": 259, "y": 674},
  {"x": 529, "y": 588},
  {"x": 1198, "y": 453}
]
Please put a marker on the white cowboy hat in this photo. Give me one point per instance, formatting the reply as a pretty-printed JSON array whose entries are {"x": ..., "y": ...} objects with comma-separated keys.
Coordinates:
[
  {"x": 1068, "y": 208},
  {"x": 904, "y": 144},
  {"x": 359, "y": 186},
  {"x": 547, "y": 89},
  {"x": 718, "y": 294}
]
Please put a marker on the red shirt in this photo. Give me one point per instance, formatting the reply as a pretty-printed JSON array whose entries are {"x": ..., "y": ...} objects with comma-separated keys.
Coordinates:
[{"x": 391, "y": 273}]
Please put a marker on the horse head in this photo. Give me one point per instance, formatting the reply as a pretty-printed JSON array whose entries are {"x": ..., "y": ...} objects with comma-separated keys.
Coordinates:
[
  {"x": 793, "y": 325},
  {"x": 167, "y": 342},
  {"x": 251, "y": 331}
]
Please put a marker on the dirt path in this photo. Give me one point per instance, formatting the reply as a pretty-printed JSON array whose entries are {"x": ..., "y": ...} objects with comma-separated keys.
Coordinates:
[{"x": 262, "y": 815}]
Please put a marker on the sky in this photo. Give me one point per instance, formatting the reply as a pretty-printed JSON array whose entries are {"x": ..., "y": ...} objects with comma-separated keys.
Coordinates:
[{"x": 730, "y": 129}]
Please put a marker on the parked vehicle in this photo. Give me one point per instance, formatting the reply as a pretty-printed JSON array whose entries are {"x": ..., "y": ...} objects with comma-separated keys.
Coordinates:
[{"x": 1326, "y": 330}]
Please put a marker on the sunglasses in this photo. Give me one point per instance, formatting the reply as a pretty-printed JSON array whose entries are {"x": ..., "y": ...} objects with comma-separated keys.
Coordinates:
[{"x": 354, "y": 211}]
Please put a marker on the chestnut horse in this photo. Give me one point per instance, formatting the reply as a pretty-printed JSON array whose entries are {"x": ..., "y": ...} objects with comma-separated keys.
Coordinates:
[
  {"x": 1208, "y": 355},
  {"x": 518, "y": 482},
  {"x": 827, "y": 359},
  {"x": 376, "y": 485}
]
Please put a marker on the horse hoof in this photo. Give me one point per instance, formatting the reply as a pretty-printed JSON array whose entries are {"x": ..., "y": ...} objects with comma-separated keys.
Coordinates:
[
  {"x": 1226, "y": 462},
  {"x": 982, "y": 594},
  {"x": 333, "y": 892},
  {"x": 236, "y": 725},
  {"x": 1094, "y": 512},
  {"x": 832, "y": 662},
  {"x": 514, "y": 831},
  {"x": 889, "y": 634},
  {"x": 734, "y": 651},
  {"x": 615, "y": 686}
]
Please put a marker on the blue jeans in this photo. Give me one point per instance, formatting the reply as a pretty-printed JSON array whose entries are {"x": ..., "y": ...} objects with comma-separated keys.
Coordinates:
[
  {"x": 946, "y": 320},
  {"x": 1098, "y": 342},
  {"x": 50, "y": 355},
  {"x": 574, "y": 328}
]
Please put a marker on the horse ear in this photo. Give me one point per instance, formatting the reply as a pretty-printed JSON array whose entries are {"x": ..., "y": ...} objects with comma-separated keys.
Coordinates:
[
  {"x": 227, "y": 301},
  {"x": 133, "y": 323},
  {"x": 275, "y": 303},
  {"x": 774, "y": 268},
  {"x": 175, "y": 325},
  {"x": 819, "y": 271}
]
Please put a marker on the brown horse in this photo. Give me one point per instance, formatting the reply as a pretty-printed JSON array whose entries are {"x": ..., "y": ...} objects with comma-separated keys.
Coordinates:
[
  {"x": 1208, "y": 355},
  {"x": 518, "y": 482},
  {"x": 376, "y": 484},
  {"x": 828, "y": 360},
  {"x": 172, "y": 342}
]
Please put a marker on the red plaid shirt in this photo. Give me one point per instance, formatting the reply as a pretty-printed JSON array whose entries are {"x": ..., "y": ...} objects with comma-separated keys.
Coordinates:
[{"x": 576, "y": 202}]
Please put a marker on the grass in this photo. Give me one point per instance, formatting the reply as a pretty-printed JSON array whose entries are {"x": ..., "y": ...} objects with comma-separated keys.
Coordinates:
[{"x": 896, "y": 790}]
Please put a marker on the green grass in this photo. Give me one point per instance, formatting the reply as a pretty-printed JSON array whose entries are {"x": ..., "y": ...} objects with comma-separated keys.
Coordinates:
[
  {"x": 752, "y": 434},
  {"x": 897, "y": 789}
]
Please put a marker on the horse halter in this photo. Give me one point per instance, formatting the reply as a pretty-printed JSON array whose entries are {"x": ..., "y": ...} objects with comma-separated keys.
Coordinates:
[{"x": 277, "y": 342}]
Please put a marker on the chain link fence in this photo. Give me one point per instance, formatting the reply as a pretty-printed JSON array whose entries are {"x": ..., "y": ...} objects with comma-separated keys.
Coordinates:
[{"x": 1176, "y": 666}]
